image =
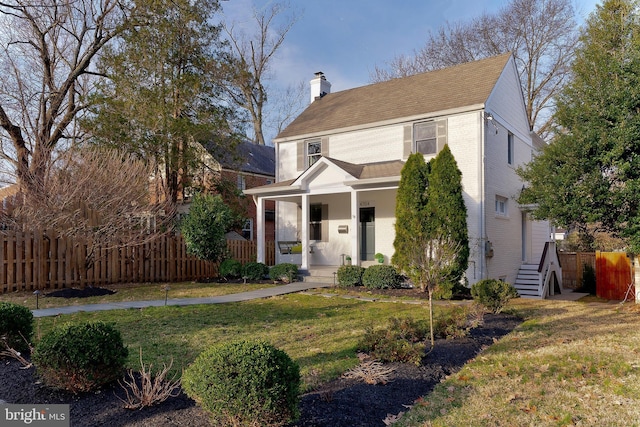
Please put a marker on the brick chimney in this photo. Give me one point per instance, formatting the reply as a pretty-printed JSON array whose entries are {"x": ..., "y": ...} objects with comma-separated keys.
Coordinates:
[{"x": 319, "y": 86}]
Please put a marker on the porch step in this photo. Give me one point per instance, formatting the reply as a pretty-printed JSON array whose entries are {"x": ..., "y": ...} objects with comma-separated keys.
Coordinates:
[
  {"x": 320, "y": 275},
  {"x": 528, "y": 281}
]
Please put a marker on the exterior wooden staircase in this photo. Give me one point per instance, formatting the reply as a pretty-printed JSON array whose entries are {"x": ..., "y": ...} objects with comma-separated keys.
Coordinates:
[{"x": 540, "y": 280}]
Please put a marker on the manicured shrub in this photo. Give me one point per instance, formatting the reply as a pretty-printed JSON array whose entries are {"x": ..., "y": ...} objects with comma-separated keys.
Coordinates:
[
  {"x": 80, "y": 357},
  {"x": 284, "y": 272},
  {"x": 230, "y": 268},
  {"x": 493, "y": 294},
  {"x": 350, "y": 275},
  {"x": 245, "y": 383},
  {"x": 16, "y": 326},
  {"x": 402, "y": 341},
  {"x": 381, "y": 277},
  {"x": 255, "y": 271}
]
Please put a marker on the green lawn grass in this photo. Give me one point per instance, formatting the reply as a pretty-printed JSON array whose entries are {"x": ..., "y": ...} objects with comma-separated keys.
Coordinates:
[
  {"x": 320, "y": 333},
  {"x": 568, "y": 364},
  {"x": 134, "y": 292}
]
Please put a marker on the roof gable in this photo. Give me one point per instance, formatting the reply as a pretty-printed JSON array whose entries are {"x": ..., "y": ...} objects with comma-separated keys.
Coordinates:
[{"x": 449, "y": 88}]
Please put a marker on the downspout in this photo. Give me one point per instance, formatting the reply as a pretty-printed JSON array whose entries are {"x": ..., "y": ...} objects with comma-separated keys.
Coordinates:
[{"x": 483, "y": 258}]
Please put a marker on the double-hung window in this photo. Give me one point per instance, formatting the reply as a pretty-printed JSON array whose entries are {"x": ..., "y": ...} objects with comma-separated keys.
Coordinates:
[
  {"x": 314, "y": 151},
  {"x": 429, "y": 137}
]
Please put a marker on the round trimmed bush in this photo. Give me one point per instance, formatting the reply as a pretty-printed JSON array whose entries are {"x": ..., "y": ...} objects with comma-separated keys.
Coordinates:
[
  {"x": 381, "y": 277},
  {"x": 255, "y": 271},
  {"x": 230, "y": 268},
  {"x": 80, "y": 357},
  {"x": 350, "y": 275},
  {"x": 493, "y": 294},
  {"x": 16, "y": 325},
  {"x": 284, "y": 272},
  {"x": 245, "y": 383}
]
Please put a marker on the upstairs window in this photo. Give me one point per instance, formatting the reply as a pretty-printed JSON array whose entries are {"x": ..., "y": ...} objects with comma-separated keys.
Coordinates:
[
  {"x": 314, "y": 151},
  {"x": 429, "y": 137}
]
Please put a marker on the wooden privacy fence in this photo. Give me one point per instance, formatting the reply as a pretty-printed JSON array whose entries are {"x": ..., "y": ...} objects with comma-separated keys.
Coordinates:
[
  {"x": 613, "y": 276},
  {"x": 31, "y": 261},
  {"x": 573, "y": 266}
]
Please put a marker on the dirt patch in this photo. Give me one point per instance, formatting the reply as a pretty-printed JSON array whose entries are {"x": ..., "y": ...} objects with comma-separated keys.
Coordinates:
[
  {"x": 343, "y": 402},
  {"x": 80, "y": 293}
]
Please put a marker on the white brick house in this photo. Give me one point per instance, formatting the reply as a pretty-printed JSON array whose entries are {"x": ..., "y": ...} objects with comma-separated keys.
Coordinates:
[{"x": 338, "y": 167}]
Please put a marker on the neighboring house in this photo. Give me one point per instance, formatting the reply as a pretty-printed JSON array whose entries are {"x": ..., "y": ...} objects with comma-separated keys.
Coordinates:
[
  {"x": 253, "y": 165},
  {"x": 229, "y": 174},
  {"x": 339, "y": 164}
]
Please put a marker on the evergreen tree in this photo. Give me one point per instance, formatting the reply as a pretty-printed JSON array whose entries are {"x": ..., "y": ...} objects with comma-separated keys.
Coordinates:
[
  {"x": 445, "y": 211},
  {"x": 590, "y": 173},
  {"x": 205, "y": 225},
  {"x": 410, "y": 201},
  {"x": 163, "y": 98}
]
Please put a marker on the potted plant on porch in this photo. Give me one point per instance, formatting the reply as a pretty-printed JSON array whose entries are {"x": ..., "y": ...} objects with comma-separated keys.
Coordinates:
[{"x": 379, "y": 257}]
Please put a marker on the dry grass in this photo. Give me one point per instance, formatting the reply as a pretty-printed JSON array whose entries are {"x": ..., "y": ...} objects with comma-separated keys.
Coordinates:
[
  {"x": 371, "y": 372},
  {"x": 568, "y": 364},
  {"x": 150, "y": 389}
]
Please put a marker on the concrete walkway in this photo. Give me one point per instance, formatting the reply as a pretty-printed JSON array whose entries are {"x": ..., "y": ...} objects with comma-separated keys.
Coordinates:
[{"x": 243, "y": 296}]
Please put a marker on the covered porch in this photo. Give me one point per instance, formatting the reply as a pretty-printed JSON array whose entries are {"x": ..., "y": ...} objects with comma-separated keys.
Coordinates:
[{"x": 334, "y": 213}]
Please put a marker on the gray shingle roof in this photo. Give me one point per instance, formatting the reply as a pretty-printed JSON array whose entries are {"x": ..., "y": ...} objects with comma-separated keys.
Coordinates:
[
  {"x": 454, "y": 87},
  {"x": 252, "y": 158}
]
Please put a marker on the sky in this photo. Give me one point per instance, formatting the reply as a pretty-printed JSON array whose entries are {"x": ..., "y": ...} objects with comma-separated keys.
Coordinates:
[{"x": 347, "y": 39}]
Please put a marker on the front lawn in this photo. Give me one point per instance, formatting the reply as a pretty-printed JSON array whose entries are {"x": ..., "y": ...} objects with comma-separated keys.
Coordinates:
[
  {"x": 568, "y": 364},
  {"x": 320, "y": 333}
]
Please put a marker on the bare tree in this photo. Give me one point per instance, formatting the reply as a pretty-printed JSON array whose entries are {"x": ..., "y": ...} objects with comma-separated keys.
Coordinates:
[
  {"x": 252, "y": 56},
  {"x": 96, "y": 195},
  {"x": 430, "y": 265},
  {"x": 541, "y": 34},
  {"x": 47, "y": 49}
]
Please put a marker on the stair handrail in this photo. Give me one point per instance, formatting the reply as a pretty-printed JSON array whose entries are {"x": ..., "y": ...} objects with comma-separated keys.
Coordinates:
[{"x": 551, "y": 268}]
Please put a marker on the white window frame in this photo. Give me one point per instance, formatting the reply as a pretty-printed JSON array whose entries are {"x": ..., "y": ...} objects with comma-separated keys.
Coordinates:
[
  {"x": 241, "y": 182},
  {"x": 248, "y": 227},
  {"x": 313, "y": 151},
  {"x": 431, "y": 134},
  {"x": 502, "y": 206}
]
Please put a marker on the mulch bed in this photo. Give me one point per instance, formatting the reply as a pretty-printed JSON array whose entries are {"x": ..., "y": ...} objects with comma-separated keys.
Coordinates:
[{"x": 342, "y": 402}]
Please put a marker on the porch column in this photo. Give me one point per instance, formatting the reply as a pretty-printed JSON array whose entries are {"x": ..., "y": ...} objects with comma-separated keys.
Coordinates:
[
  {"x": 260, "y": 233},
  {"x": 304, "y": 233},
  {"x": 355, "y": 230}
]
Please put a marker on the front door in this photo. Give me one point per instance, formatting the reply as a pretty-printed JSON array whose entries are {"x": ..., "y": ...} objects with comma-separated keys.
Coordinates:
[{"x": 367, "y": 234}]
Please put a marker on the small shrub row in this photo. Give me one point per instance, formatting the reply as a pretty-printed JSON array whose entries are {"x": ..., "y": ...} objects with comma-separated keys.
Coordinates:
[
  {"x": 350, "y": 275},
  {"x": 16, "y": 326},
  {"x": 80, "y": 357},
  {"x": 233, "y": 269},
  {"x": 284, "y": 272},
  {"x": 245, "y": 383},
  {"x": 373, "y": 277},
  {"x": 493, "y": 294},
  {"x": 402, "y": 341}
]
